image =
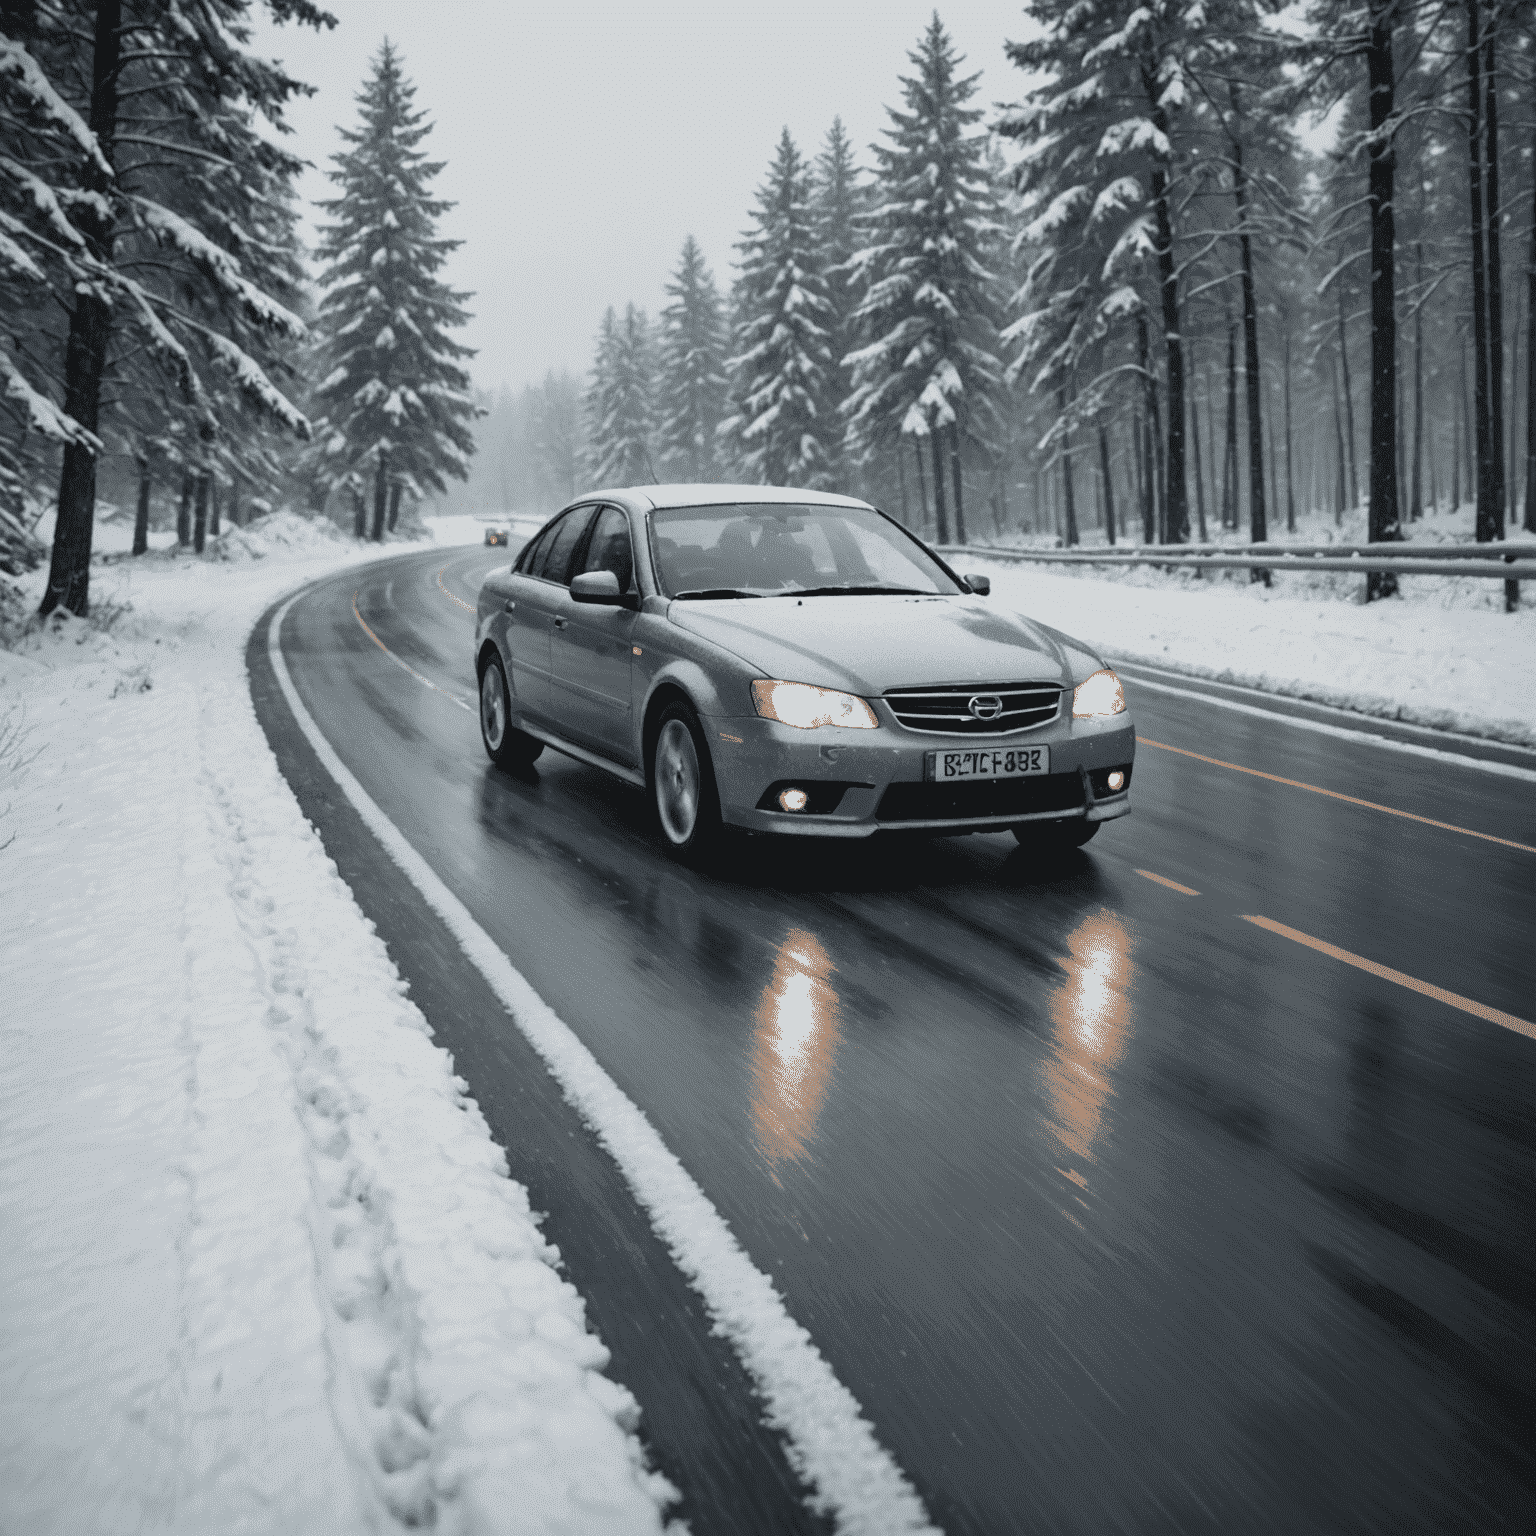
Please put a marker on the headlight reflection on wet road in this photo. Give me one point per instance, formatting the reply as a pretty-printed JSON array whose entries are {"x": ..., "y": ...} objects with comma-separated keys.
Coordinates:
[
  {"x": 1091, "y": 1019},
  {"x": 794, "y": 1044}
]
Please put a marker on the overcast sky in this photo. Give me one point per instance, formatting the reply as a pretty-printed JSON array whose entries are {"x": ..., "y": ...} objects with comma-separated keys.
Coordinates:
[{"x": 585, "y": 138}]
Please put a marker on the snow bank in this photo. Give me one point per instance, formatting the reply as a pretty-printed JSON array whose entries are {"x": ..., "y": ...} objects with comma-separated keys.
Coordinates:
[
  {"x": 1444, "y": 667},
  {"x": 264, "y": 1270}
]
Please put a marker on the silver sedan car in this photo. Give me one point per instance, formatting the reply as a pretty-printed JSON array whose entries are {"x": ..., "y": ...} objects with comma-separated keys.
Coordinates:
[{"x": 795, "y": 662}]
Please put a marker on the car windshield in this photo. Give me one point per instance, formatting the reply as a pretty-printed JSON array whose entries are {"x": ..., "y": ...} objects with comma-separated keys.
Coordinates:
[{"x": 749, "y": 549}]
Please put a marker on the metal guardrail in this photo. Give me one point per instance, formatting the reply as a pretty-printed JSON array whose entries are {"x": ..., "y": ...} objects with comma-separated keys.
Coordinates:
[{"x": 1513, "y": 562}]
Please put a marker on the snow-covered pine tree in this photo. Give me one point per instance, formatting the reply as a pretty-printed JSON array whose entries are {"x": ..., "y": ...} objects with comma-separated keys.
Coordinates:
[
  {"x": 837, "y": 201},
  {"x": 395, "y": 396},
  {"x": 1102, "y": 169},
  {"x": 927, "y": 362},
  {"x": 782, "y": 366},
  {"x": 620, "y": 424},
  {"x": 692, "y": 382},
  {"x": 130, "y": 186}
]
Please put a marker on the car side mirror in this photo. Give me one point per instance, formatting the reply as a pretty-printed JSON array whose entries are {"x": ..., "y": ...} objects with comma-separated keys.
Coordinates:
[
  {"x": 597, "y": 587},
  {"x": 980, "y": 585}
]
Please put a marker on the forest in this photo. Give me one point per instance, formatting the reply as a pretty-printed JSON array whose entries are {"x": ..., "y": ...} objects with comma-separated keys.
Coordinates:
[{"x": 1215, "y": 266}]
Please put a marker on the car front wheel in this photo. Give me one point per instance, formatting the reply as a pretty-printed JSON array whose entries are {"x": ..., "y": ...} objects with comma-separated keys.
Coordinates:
[
  {"x": 507, "y": 748},
  {"x": 683, "y": 784}
]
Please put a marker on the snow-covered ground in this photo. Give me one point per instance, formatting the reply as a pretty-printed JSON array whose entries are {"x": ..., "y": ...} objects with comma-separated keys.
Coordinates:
[
  {"x": 1443, "y": 655},
  {"x": 263, "y": 1267}
]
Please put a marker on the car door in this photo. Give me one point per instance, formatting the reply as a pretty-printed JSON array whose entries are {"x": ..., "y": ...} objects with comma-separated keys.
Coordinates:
[
  {"x": 590, "y": 654},
  {"x": 536, "y": 586}
]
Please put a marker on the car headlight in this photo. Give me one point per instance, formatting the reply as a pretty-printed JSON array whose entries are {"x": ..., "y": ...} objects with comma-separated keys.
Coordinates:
[
  {"x": 806, "y": 707},
  {"x": 1100, "y": 694}
]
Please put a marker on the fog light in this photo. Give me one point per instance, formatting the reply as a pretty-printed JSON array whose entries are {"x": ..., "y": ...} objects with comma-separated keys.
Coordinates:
[
  {"x": 794, "y": 799},
  {"x": 1116, "y": 781}
]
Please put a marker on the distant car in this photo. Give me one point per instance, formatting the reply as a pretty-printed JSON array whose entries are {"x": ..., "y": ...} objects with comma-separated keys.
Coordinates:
[
  {"x": 498, "y": 536},
  {"x": 796, "y": 662}
]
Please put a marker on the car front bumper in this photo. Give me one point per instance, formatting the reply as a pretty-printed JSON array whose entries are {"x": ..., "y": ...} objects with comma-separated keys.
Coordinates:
[{"x": 753, "y": 758}]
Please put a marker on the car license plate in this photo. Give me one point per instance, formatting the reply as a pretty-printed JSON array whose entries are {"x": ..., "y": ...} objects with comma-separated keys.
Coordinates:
[{"x": 987, "y": 763}]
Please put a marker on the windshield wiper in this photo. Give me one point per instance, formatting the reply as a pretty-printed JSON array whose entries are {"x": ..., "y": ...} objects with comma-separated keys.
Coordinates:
[
  {"x": 708, "y": 592},
  {"x": 854, "y": 591}
]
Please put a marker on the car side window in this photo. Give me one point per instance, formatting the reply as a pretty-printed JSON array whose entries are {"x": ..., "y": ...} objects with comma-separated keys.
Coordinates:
[
  {"x": 535, "y": 550},
  {"x": 552, "y": 561},
  {"x": 566, "y": 545},
  {"x": 609, "y": 548}
]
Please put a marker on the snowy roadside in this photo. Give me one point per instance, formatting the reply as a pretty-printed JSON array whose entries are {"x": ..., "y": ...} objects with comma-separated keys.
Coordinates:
[
  {"x": 264, "y": 1268},
  {"x": 1459, "y": 670}
]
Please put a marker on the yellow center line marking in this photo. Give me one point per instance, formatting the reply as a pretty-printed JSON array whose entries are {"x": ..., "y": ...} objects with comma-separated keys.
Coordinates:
[
  {"x": 468, "y": 607},
  {"x": 1173, "y": 885},
  {"x": 406, "y": 666},
  {"x": 1425, "y": 988},
  {"x": 1333, "y": 794}
]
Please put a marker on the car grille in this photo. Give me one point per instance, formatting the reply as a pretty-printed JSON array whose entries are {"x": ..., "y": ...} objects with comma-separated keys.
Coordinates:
[
  {"x": 947, "y": 710},
  {"x": 990, "y": 797}
]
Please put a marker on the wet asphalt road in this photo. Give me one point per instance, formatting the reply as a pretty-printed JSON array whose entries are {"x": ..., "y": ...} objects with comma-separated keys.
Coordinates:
[{"x": 1115, "y": 1211}]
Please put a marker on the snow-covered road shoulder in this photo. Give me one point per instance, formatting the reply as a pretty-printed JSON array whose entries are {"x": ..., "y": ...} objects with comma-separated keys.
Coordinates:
[
  {"x": 264, "y": 1267},
  {"x": 1449, "y": 668}
]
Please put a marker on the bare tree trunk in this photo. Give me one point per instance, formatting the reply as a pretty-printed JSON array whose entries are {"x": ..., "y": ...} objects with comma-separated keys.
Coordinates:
[
  {"x": 1194, "y": 443},
  {"x": 1174, "y": 486},
  {"x": 901, "y": 481},
  {"x": 940, "y": 508},
  {"x": 1340, "y": 486},
  {"x": 1229, "y": 459},
  {"x": 200, "y": 518},
  {"x": 1530, "y": 361},
  {"x": 954, "y": 471},
  {"x": 380, "y": 496},
  {"x": 1349, "y": 406},
  {"x": 1290, "y": 479},
  {"x": 213, "y": 509},
  {"x": 1461, "y": 424},
  {"x": 395, "y": 492},
  {"x": 922, "y": 488},
  {"x": 1109, "y": 484},
  {"x": 184, "y": 510},
  {"x": 359, "y": 513},
  {"x": 1069, "y": 501},
  {"x": 90, "y": 329},
  {"x": 141, "y": 512},
  {"x": 1416, "y": 479},
  {"x": 1488, "y": 520},
  {"x": 1258, "y": 521},
  {"x": 1495, "y": 271},
  {"x": 1383, "y": 521}
]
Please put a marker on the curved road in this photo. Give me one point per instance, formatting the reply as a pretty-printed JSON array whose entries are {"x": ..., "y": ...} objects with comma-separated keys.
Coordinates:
[{"x": 1116, "y": 1209}]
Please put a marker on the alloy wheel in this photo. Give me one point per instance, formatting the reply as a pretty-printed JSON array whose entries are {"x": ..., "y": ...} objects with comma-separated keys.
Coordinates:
[
  {"x": 493, "y": 708},
  {"x": 677, "y": 781}
]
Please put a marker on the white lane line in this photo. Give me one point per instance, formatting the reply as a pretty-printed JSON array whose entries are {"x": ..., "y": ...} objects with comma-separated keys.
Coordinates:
[
  {"x": 1365, "y": 737},
  {"x": 829, "y": 1442}
]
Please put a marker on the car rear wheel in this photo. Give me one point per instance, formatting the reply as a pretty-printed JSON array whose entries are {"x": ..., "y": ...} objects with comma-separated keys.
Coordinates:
[
  {"x": 1055, "y": 836},
  {"x": 506, "y": 747},
  {"x": 683, "y": 784}
]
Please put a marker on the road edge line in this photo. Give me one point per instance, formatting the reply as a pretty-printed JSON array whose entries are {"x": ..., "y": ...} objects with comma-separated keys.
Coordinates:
[
  {"x": 829, "y": 1441},
  {"x": 1364, "y": 735}
]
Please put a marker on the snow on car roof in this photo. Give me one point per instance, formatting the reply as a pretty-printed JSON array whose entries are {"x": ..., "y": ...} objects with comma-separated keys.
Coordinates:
[{"x": 715, "y": 495}]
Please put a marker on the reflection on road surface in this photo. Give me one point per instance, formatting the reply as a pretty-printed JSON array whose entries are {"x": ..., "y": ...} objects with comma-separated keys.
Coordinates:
[
  {"x": 794, "y": 1045},
  {"x": 1091, "y": 1019}
]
